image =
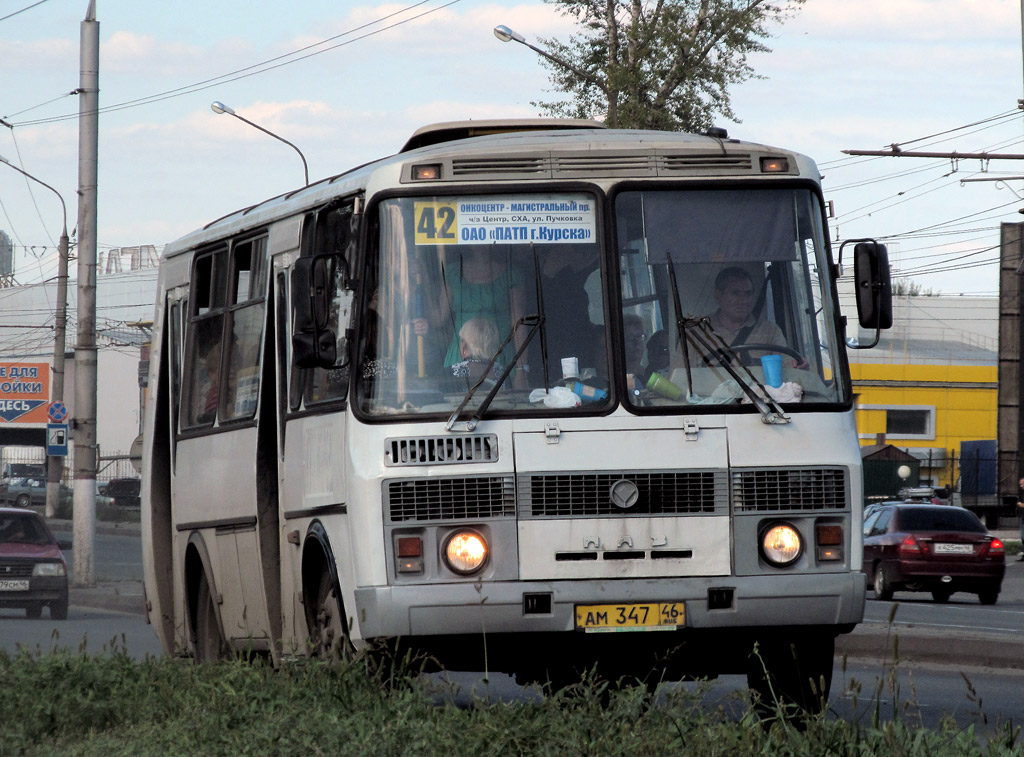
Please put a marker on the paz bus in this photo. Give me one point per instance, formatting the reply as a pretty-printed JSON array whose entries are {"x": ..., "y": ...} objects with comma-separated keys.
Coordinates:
[{"x": 532, "y": 395}]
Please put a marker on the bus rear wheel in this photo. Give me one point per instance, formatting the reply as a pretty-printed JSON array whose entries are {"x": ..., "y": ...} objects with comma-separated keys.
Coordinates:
[
  {"x": 209, "y": 645},
  {"x": 328, "y": 631}
]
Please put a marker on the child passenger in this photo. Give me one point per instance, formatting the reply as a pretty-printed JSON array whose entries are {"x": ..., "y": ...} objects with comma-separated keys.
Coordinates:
[{"x": 478, "y": 341}]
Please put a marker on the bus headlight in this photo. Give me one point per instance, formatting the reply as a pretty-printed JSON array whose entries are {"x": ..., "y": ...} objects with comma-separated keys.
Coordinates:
[
  {"x": 465, "y": 552},
  {"x": 781, "y": 544}
]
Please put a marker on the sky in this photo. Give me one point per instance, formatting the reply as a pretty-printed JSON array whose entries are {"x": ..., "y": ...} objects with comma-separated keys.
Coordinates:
[{"x": 842, "y": 74}]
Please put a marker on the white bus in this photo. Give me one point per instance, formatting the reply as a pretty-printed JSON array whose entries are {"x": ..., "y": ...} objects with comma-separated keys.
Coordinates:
[{"x": 507, "y": 394}]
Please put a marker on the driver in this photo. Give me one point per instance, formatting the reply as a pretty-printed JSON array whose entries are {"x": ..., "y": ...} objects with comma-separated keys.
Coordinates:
[{"x": 734, "y": 320}]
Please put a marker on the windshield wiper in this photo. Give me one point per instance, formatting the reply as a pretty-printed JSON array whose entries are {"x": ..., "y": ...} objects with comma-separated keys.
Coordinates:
[
  {"x": 771, "y": 411},
  {"x": 534, "y": 321},
  {"x": 704, "y": 338}
]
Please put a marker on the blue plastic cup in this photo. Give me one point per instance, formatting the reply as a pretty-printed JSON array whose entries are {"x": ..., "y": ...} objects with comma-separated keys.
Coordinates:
[{"x": 772, "y": 366}]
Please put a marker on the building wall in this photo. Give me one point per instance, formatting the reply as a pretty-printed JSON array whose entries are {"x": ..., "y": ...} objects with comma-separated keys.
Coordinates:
[{"x": 926, "y": 409}]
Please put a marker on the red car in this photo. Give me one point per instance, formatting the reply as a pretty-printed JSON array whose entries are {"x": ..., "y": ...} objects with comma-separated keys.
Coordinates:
[
  {"x": 33, "y": 572},
  {"x": 937, "y": 548}
]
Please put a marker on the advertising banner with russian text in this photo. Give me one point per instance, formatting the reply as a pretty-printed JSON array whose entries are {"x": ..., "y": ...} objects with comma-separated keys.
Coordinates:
[{"x": 24, "y": 392}]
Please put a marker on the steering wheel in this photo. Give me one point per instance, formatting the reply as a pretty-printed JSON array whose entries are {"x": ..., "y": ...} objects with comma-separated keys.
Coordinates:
[{"x": 763, "y": 347}]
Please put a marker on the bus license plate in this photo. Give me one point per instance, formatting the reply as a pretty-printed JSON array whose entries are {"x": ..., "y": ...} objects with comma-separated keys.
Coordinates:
[
  {"x": 10, "y": 585},
  {"x": 652, "y": 616}
]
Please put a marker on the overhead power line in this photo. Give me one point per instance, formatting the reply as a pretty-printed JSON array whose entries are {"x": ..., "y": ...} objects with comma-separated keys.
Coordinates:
[{"x": 258, "y": 68}]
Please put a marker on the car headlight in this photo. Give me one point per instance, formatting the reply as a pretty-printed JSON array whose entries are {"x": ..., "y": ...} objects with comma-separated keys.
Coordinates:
[
  {"x": 781, "y": 544},
  {"x": 48, "y": 569},
  {"x": 465, "y": 552}
]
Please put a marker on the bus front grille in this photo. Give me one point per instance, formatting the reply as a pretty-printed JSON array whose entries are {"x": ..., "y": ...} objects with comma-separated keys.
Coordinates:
[
  {"x": 713, "y": 164},
  {"x": 441, "y": 450},
  {"x": 437, "y": 498},
  {"x": 772, "y": 489},
  {"x": 519, "y": 165},
  {"x": 587, "y": 495}
]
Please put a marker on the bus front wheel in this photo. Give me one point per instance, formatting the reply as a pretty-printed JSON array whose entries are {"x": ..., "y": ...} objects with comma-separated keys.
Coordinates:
[
  {"x": 329, "y": 631},
  {"x": 791, "y": 672}
]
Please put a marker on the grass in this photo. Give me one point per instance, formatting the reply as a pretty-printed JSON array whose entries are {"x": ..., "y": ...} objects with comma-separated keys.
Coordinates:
[{"x": 65, "y": 703}]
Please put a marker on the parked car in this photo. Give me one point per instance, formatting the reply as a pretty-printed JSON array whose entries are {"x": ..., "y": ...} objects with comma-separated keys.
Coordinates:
[
  {"x": 33, "y": 572},
  {"x": 25, "y": 492},
  {"x": 124, "y": 491},
  {"x": 936, "y": 548}
]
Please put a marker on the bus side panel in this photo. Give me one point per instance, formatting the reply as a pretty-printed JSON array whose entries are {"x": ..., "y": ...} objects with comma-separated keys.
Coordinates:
[
  {"x": 220, "y": 499},
  {"x": 313, "y": 489}
]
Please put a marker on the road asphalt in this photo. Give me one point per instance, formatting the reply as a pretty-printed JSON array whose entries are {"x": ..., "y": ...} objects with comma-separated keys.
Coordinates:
[{"x": 870, "y": 640}]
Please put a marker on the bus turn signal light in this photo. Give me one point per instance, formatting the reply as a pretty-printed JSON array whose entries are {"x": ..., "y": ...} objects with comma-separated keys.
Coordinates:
[{"x": 409, "y": 551}]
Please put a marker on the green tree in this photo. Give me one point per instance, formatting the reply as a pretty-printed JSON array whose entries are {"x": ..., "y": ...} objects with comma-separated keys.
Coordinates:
[{"x": 657, "y": 64}]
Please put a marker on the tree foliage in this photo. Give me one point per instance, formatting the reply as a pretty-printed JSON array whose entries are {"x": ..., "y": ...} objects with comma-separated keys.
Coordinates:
[{"x": 657, "y": 64}]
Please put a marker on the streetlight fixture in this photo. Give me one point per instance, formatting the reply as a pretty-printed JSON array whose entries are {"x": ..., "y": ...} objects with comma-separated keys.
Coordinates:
[
  {"x": 505, "y": 34},
  {"x": 218, "y": 107},
  {"x": 53, "y": 464}
]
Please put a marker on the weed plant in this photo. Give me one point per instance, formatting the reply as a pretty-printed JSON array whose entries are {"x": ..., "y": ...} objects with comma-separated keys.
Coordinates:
[{"x": 67, "y": 703}]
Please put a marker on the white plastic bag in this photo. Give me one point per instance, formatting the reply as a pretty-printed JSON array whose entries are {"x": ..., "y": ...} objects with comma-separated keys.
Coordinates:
[{"x": 556, "y": 396}]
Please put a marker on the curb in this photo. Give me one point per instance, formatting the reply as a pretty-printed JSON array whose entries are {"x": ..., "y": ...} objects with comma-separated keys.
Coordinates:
[
  {"x": 120, "y": 596},
  {"x": 874, "y": 641}
]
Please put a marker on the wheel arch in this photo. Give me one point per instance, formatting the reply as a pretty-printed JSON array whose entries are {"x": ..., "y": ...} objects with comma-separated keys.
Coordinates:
[{"x": 316, "y": 552}]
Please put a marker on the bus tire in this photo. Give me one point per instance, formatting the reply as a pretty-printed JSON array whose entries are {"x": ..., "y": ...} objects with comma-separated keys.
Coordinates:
[
  {"x": 329, "y": 632},
  {"x": 209, "y": 645},
  {"x": 791, "y": 674}
]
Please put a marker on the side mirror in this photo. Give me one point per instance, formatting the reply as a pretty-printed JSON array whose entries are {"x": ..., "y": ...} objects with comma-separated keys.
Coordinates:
[
  {"x": 874, "y": 287},
  {"x": 321, "y": 310}
]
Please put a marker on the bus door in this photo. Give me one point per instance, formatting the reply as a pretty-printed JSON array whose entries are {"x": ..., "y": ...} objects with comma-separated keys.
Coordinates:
[
  {"x": 217, "y": 450},
  {"x": 313, "y": 398}
]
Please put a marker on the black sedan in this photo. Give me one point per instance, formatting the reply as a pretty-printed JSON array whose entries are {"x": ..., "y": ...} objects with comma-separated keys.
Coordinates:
[
  {"x": 936, "y": 548},
  {"x": 33, "y": 573}
]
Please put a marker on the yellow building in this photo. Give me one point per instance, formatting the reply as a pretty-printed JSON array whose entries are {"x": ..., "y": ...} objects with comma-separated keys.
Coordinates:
[{"x": 931, "y": 382}]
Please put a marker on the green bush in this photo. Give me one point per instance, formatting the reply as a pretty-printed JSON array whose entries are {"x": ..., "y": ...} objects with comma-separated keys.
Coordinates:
[{"x": 73, "y": 704}]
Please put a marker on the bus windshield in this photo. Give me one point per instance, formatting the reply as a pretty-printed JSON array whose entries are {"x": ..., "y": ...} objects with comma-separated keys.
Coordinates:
[
  {"x": 455, "y": 296},
  {"x": 712, "y": 281},
  {"x": 723, "y": 290}
]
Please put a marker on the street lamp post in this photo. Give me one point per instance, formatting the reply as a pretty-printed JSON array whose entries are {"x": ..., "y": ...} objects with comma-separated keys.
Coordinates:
[
  {"x": 54, "y": 464},
  {"x": 218, "y": 107},
  {"x": 505, "y": 34}
]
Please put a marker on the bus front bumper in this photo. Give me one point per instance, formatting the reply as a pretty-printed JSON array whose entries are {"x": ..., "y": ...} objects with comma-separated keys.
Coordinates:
[{"x": 822, "y": 599}]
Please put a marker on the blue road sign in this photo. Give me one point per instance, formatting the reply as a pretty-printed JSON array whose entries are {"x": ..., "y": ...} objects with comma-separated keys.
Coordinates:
[{"x": 57, "y": 439}]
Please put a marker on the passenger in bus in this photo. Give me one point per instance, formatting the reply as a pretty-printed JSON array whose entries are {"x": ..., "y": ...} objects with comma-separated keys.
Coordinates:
[
  {"x": 208, "y": 386},
  {"x": 635, "y": 339},
  {"x": 658, "y": 355},
  {"x": 480, "y": 282},
  {"x": 478, "y": 341},
  {"x": 569, "y": 331}
]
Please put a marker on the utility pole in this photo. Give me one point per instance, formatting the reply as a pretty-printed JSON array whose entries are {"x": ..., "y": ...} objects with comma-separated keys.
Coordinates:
[
  {"x": 85, "y": 351},
  {"x": 54, "y": 463}
]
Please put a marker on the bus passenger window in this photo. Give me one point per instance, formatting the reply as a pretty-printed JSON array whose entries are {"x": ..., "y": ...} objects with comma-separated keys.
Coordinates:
[
  {"x": 245, "y": 327},
  {"x": 204, "y": 395}
]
